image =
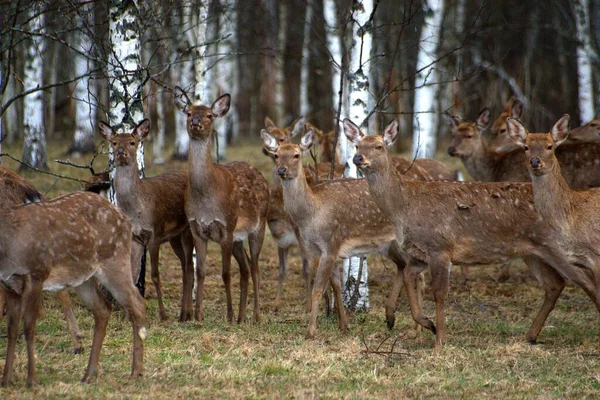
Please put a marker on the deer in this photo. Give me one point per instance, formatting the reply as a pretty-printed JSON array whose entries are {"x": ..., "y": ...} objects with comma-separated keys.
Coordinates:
[
  {"x": 572, "y": 215},
  {"x": 76, "y": 241},
  {"x": 15, "y": 190},
  {"x": 497, "y": 140},
  {"x": 335, "y": 218},
  {"x": 580, "y": 161},
  {"x": 588, "y": 132},
  {"x": 438, "y": 223},
  {"x": 156, "y": 209},
  {"x": 223, "y": 203}
]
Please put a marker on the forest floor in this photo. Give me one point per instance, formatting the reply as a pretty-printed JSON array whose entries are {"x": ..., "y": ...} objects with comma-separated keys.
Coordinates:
[{"x": 486, "y": 354}]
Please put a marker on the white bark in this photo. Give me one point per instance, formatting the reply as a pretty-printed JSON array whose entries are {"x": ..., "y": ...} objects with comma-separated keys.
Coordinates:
[
  {"x": 304, "y": 106},
  {"x": 280, "y": 76},
  {"x": 85, "y": 92},
  {"x": 200, "y": 18},
  {"x": 125, "y": 73},
  {"x": 354, "y": 275},
  {"x": 158, "y": 147},
  {"x": 34, "y": 149},
  {"x": 581, "y": 9},
  {"x": 425, "y": 120}
]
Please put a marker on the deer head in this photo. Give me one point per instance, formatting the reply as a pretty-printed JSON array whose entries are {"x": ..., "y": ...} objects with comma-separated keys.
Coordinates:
[
  {"x": 466, "y": 135},
  {"x": 499, "y": 141},
  {"x": 589, "y": 132},
  {"x": 539, "y": 147},
  {"x": 287, "y": 156},
  {"x": 285, "y": 135},
  {"x": 371, "y": 149},
  {"x": 125, "y": 145},
  {"x": 200, "y": 118}
]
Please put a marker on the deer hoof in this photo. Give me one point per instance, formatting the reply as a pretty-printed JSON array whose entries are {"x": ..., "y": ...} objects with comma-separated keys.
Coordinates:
[{"x": 390, "y": 322}]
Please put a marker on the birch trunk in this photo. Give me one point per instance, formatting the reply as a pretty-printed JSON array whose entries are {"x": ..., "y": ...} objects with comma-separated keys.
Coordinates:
[
  {"x": 227, "y": 73},
  {"x": 581, "y": 9},
  {"x": 304, "y": 105},
  {"x": 182, "y": 75},
  {"x": 34, "y": 148},
  {"x": 85, "y": 94},
  {"x": 355, "y": 288},
  {"x": 425, "y": 120},
  {"x": 334, "y": 45}
]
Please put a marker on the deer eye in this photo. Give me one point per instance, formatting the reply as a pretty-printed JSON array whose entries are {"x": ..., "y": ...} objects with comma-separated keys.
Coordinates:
[
  {"x": 114, "y": 144},
  {"x": 503, "y": 130},
  {"x": 296, "y": 155},
  {"x": 209, "y": 116},
  {"x": 469, "y": 136},
  {"x": 132, "y": 143},
  {"x": 282, "y": 140},
  {"x": 549, "y": 147},
  {"x": 379, "y": 148},
  {"x": 189, "y": 114},
  {"x": 525, "y": 147},
  {"x": 275, "y": 156}
]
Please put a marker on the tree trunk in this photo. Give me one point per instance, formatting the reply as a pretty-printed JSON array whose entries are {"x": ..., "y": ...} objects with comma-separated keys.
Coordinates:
[
  {"x": 34, "y": 149},
  {"x": 292, "y": 59},
  {"x": 356, "y": 272},
  {"x": 305, "y": 108},
  {"x": 425, "y": 120},
  {"x": 581, "y": 9},
  {"x": 182, "y": 75}
]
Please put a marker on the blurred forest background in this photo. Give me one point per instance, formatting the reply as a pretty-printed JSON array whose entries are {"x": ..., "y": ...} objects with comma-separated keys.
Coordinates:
[{"x": 273, "y": 57}]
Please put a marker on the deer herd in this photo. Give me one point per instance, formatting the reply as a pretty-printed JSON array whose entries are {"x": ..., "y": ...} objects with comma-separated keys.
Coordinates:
[{"x": 531, "y": 199}]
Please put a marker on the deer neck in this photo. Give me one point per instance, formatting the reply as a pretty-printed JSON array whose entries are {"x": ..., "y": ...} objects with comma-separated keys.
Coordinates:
[
  {"x": 552, "y": 197},
  {"x": 299, "y": 201},
  {"x": 481, "y": 164},
  {"x": 127, "y": 187},
  {"x": 201, "y": 170},
  {"x": 384, "y": 181}
]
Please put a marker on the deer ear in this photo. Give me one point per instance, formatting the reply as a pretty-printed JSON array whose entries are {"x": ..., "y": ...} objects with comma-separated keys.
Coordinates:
[
  {"x": 560, "y": 130},
  {"x": 516, "y": 131},
  {"x": 268, "y": 123},
  {"x": 517, "y": 109},
  {"x": 452, "y": 120},
  {"x": 307, "y": 140},
  {"x": 270, "y": 144},
  {"x": 221, "y": 105},
  {"x": 297, "y": 127},
  {"x": 352, "y": 131},
  {"x": 106, "y": 130},
  {"x": 142, "y": 129},
  {"x": 182, "y": 102},
  {"x": 390, "y": 134},
  {"x": 483, "y": 120}
]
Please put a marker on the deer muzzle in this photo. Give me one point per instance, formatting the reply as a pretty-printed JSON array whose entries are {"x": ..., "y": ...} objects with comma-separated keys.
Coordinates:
[
  {"x": 359, "y": 160},
  {"x": 536, "y": 163},
  {"x": 282, "y": 172},
  {"x": 452, "y": 151}
]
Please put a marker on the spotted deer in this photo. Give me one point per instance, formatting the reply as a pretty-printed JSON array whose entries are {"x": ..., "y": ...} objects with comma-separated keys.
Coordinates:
[
  {"x": 336, "y": 218},
  {"x": 76, "y": 241},
  {"x": 589, "y": 132},
  {"x": 438, "y": 223},
  {"x": 156, "y": 209},
  {"x": 572, "y": 215},
  {"x": 580, "y": 161},
  {"x": 16, "y": 190},
  {"x": 498, "y": 141},
  {"x": 223, "y": 203}
]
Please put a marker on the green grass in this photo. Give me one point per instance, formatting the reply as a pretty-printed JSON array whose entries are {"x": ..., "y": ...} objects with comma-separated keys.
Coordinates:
[{"x": 485, "y": 356}]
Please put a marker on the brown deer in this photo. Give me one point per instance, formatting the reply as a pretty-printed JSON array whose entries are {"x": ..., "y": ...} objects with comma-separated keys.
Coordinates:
[
  {"x": 589, "y": 132},
  {"x": 580, "y": 161},
  {"x": 15, "y": 190},
  {"x": 498, "y": 131},
  {"x": 156, "y": 209},
  {"x": 440, "y": 223},
  {"x": 336, "y": 218},
  {"x": 572, "y": 215},
  {"x": 223, "y": 203},
  {"x": 75, "y": 241}
]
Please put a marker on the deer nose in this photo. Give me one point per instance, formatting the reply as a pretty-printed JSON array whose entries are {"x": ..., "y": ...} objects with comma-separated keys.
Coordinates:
[
  {"x": 195, "y": 120},
  {"x": 452, "y": 151},
  {"x": 358, "y": 159},
  {"x": 535, "y": 162},
  {"x": 281, "y": 171},
  {"x": 120, "y": 151}
]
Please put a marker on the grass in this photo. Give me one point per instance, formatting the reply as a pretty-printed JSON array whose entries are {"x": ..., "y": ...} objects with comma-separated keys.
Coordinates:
[{"x": 486, "y": 354}]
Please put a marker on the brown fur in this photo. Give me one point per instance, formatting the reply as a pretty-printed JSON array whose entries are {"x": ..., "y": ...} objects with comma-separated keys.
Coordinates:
[
  {"x": 441, "y": 223},
  {"x": 75, "y": 241},
  {"x": 156, "y": 209},
  {"x": 589, "y": 132},
  {"x": 223, "y": 203},
  {"x": 15, "y": 190},
  {"x": 336, "y": 218}
]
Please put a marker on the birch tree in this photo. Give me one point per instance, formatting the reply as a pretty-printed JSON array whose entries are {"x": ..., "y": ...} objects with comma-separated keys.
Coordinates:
[
  {"x": 84, "y": 94},
  {"x": 34, "y": 148},
  {"x": 355, "y": 288},
  {"x": 581, "y": 9},
  {"x": 425, "y": 120},
  {"x": 304, "y": 104}
]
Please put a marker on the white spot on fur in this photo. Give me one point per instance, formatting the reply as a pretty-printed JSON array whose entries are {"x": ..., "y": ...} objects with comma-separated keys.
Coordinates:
[{"x": 142, "y": 333}]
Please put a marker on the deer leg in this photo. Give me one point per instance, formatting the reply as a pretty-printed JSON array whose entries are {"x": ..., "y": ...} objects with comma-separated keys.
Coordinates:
[
  {"x": 134, "y": 305},
  {"x": 67, "y": 309},
  {"x": 440, "y": 265},
  {"x": 2, "y": 305},
  {"x": 200, "y": 246},
  {"x": 314, "y": 265},
  {"x": 553, "y": 285},
  {"x": 392, "y": 299},
  {"x": 13, "y": 317},
  {"x": 154, "y": 249},
  {"x": 255, "y": 242},
  {"x": 504, "y": 272},
  {"x": 412, "y": 275},
  {"x": 242, "y": 260},
  {"x": 323, "y": 276},
  {"x": 183, "y": 247},
  {"x": 336, "y": 284},
  {"x": 137, "y": 252},
  {"x": 93, "y": 298},
  {"x": 30, "y": 314},
  {"x": 283, "y": 263},
  {"x": 226, "y": 249},
  {"x": 464, "y": 272}
]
